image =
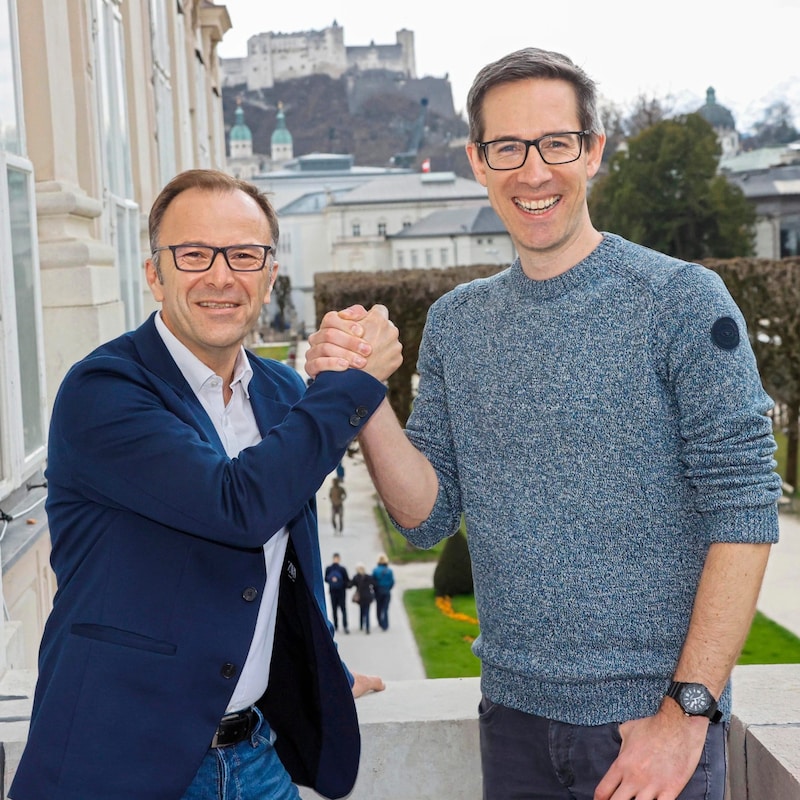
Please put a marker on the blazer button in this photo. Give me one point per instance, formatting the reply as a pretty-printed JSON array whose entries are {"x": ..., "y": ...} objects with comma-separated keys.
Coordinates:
[
  {"x": 362, "y": 411},
  {"x": 228, "y": 670},
  {"x": 355, "y": 420},
  {"x": 250, "y": 594}
]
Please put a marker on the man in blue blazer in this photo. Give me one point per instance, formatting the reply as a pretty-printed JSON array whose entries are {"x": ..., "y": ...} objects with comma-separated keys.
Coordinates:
[{"x": 188, "y": 654}]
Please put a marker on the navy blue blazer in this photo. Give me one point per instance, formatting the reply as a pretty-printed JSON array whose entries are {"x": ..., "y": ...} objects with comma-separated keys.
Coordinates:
[{"x": 157, "y": 549}]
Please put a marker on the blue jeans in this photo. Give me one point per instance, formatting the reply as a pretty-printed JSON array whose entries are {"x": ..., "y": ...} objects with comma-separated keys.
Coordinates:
[
  {"x": 382, "y": 608},
  {"x": 526, "y": 757},
  {"x": 250, "y": 770}
]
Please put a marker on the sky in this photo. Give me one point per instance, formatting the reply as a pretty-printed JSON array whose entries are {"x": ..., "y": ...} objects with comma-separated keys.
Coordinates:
[{"x": 672, "y": 50}]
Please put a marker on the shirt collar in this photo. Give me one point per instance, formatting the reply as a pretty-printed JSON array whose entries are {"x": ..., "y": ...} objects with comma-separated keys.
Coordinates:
[{"x": 197, "y": 373}]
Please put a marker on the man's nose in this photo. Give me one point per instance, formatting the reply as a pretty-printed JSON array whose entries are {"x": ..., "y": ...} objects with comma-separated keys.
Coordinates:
[
  {"x": 219, "y": 271},
  {"x": 535, "y": 169}
]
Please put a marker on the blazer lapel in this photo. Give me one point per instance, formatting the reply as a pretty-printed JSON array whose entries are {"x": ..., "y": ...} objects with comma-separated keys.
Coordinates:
[{"x": 154, "y": 355}]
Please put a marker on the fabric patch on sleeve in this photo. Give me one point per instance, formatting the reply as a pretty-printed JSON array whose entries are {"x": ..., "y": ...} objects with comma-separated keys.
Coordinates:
[{"x": 725, "y": 333}]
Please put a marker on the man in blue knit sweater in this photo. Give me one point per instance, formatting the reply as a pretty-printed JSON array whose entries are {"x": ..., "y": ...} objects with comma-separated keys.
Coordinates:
[{"x": 596, "y": 414}]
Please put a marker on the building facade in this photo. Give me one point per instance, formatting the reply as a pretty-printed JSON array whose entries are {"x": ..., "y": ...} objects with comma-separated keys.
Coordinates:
[
  {"x": 336, "y": 217},
  {"x": 101, "y": 103}
]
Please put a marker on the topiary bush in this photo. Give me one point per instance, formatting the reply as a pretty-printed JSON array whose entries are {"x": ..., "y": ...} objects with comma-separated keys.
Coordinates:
[{"x": 453, "y": 573}]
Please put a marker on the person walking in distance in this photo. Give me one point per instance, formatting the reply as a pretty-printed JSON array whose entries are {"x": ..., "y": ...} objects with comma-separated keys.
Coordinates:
[
  {"x": 595, "y": 414},
  {"x": 337, "y": 579},
  {"x": 337, "y": 495},
  {"x": 384, "y": 581},
  {"x": 364, "y": 594}
]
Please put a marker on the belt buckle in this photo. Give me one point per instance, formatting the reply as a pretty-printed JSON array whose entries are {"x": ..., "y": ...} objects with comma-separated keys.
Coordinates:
[
  {"x": 247, "y": 719},
  {"x": 215, "y": 740}
]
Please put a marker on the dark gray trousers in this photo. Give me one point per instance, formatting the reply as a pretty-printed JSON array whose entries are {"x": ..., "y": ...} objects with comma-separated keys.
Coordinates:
[{"x": 525, "y": 757}]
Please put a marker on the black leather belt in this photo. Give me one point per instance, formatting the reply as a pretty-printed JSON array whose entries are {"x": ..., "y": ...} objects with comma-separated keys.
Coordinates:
[{"x": 235, "y": 728}]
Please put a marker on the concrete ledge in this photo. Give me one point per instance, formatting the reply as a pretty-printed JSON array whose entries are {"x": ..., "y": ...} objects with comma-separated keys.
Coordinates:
[
  {"x": 419, "y": 741},
  {"x": 764, "y": 741},
  {"x": 420, "y": 738},
  {"x": 16, "y": 698}
]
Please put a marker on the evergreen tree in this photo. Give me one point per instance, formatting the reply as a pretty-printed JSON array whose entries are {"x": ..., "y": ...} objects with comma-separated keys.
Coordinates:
[
  {"x": 453, "y": 573},
  {"x": 663, "y": 191}
]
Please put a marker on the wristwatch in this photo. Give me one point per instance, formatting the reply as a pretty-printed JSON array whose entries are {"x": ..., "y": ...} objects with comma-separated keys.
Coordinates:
[{"x": 695, "y": 700}]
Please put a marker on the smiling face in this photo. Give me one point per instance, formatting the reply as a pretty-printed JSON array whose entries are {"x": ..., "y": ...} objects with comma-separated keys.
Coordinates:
[
  {"x": 211, "y": 312},
  {"x": 542, "y": 206}
]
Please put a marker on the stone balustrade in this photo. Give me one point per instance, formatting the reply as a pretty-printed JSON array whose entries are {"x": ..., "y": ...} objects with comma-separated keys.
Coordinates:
[{"x": 420, "y": 738}]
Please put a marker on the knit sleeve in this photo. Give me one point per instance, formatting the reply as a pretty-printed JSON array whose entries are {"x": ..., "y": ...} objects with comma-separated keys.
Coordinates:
[
  {"x": 702, "y": 349},
  {"x": 429, "y": 430}
]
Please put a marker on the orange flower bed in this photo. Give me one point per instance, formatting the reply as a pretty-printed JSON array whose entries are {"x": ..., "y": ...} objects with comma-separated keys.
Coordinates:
[{"x": 445, "y": 605}]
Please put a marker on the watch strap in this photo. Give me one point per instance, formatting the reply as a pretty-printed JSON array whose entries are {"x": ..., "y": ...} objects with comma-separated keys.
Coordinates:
[{"x": 712, "y": 712}]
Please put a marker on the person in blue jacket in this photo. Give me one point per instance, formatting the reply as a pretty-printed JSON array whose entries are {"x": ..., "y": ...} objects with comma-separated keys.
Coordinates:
[
  {"x": 384, "y": 581},
  {"x": 188, "y": 649},
  {"x": 338, "y": 580}
]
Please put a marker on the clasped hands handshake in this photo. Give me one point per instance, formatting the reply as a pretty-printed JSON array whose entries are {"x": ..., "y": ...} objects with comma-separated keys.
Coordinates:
[
  {"x": 365, "y": 340},
  {"x": 355, "y": 338}
]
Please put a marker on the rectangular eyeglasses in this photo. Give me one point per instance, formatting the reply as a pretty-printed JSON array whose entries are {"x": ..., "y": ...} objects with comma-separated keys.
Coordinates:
[
  {"x": 200, "y": 257},
  {"x": 554, "y": 148}
]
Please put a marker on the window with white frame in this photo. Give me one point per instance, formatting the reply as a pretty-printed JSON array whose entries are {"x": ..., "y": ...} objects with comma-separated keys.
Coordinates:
[
  {"x": 381, "y": 229},
  {"x": 203, "y": 133},
  {"x": 22, "y": 390},
  {"x": 162, "y": 90},
  {"x": 121, "y": 212},
  {"x": 180, "y": 70},
  {"x": 444, "y": 256},
  {"x": 356, "y": 230}
]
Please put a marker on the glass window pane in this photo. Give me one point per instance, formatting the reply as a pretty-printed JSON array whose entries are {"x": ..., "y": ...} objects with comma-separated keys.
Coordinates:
[
  {"x": 26, "y": 293},
  {"x": 130, "y": 267},
  {"x": 9, "y": 112}
]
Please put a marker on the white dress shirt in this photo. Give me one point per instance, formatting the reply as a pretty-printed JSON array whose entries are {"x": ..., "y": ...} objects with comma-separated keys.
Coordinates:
[{"x": 236, "y": 426}]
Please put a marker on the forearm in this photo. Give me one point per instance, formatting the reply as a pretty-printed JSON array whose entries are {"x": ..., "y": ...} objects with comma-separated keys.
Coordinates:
[
  {"x": 403, "y": 477},
  {"x": 723, "y": 612}
]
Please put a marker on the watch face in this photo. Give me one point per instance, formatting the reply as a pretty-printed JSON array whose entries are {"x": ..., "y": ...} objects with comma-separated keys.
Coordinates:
[{"x": 695, "y": 699}]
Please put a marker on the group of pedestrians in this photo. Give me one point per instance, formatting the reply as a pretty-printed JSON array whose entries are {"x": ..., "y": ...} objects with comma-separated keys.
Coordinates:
[{"x": 370, "y": 587}]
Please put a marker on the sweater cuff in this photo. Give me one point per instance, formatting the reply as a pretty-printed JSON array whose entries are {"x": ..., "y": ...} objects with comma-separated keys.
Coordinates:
[{"x": 757, "y": 525}]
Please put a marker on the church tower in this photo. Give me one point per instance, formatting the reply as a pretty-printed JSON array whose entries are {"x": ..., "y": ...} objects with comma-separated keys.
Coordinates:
[
  {"x": 721, "y": 120},
  {"x": 281, "y": 143},
  {"x": 240, "y": 141}
]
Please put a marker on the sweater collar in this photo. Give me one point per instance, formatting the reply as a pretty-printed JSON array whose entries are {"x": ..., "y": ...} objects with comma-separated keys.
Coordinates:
[{"x": 582, "y": 273}]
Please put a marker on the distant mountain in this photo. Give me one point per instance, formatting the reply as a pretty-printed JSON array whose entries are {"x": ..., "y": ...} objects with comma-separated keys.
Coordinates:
[{"x": 375, "y": 117}]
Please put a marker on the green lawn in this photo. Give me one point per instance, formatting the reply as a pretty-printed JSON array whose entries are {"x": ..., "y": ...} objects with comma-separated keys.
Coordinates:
[
  {"x": 769, "y": 643},
  {"x": 444, "y": 643},
  {"x": 280, "y": 352},
  {"x": 395, "y": 545}
]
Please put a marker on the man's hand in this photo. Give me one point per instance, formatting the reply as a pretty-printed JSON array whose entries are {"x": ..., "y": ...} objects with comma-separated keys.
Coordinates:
[
  {"x": 367, "y": 683},
  {"x": 355, "y": 338},
  {"x": 658, "y": 756}
]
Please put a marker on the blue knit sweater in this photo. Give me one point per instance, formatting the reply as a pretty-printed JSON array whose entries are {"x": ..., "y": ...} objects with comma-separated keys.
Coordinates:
[{"x": 598, "y": 430}]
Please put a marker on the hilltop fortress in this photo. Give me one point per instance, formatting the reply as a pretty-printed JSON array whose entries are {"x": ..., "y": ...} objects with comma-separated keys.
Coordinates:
[{"x": 275, "y": 57}]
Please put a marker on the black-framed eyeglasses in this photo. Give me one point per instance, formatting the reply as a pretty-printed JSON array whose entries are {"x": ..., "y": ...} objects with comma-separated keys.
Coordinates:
[
  {"x": 200, "y": 257},
  {"x": 554, "y": 148}
]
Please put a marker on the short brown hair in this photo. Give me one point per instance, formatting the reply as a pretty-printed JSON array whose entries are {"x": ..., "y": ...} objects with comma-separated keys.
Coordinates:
[
  {"x": 532, "y": 62},
  {"x": 207, "y": 180}
]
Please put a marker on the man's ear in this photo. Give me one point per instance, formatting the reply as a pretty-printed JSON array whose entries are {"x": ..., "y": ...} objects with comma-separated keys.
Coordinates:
[
  {"x": 477, "y": 162},
  {"x": 594, "y": 154},
  {"x": 155, "y": 280},
  {"x": 273, "y": 274}
]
